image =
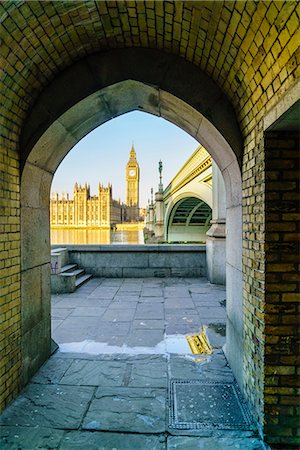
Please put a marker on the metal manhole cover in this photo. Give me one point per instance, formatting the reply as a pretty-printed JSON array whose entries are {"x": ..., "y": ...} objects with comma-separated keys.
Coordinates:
[{"x": 195, "y": 404}]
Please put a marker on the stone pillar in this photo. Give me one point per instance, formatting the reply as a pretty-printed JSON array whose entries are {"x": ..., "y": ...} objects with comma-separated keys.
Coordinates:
[
  {"x": 159, "y": 209},
  {"x": 151, "y": 218},
  {"x": 216, "y": 235},
  {"x": 147, "y": 218}
]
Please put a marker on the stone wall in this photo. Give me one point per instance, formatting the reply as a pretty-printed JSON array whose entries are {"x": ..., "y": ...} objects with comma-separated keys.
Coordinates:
[{"x": 134, "y": 261}]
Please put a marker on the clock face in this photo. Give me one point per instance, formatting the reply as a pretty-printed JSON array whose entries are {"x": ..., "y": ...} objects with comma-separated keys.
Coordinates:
[{"x": 132, "y": 172}]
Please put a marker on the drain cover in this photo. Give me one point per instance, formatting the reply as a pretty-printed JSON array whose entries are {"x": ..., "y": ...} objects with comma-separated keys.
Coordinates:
[{"x": 196, "y": 404}]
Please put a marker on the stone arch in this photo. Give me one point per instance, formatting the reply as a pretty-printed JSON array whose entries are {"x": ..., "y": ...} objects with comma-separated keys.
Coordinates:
[
  {"x": 91, "y": 97},
  {"x": 165, "y": 72}
]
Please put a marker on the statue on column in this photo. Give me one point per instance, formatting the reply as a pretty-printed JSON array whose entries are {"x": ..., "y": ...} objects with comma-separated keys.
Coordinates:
[{"x": 160, "y": 167}]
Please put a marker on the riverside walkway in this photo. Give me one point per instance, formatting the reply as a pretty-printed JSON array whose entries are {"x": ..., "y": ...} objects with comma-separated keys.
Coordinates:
[{"x": 124, "y": 377}]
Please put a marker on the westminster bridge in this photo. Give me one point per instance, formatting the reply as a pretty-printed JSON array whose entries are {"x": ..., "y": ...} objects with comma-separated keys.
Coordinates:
[{"x": 192, "y": 209}]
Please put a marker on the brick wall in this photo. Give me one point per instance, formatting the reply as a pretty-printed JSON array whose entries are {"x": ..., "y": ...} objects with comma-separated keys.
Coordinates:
[
  {"x": 282, "y": 381},
  {"x": 10, "y": 323},
  {"x": 254, "y": 269},
  {"x": 250, "y": 49}
]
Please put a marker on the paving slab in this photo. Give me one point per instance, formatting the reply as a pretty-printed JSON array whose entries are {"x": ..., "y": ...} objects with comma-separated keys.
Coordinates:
[
  {"x": 75, "y": 329},
  {"x": 209, "y": 367},
  {"x": 69, "y": 303},
  {"x": 52, "y": 371},
  {"x": 60, "y": 313},
  {"x": 111, "y": 282},
  {"x": 92, "y": 311},
  {"x": 126, "y": 296},
  {"x": 111, "y": 328},
  {"x": 181, "y": 366},
  {"x": 152, "y": 292},
  {"x": 149, "y": 311},
  {"x": 122, "y": 303},
  {"x": 148, "y": 324},
  {"x": 90, "y": 302},
  {"x": 154, "y": 282},
  {"x": 181, "y": 328},
  {"x": 179, "y": 303},
  {"x": 94, "y": 373},
  {"x": 62, "y": 335},
  {"x": 130, "y": 404},
  {"x": 180, "y": 312},
  {"x": 98, "y": 440},
  {"x": 55, "y": 299},
  {"x": 202, "y": 289},
  {"x": 55, "y": 323},
  {"x": 120, "y": 315},
  {"x": 151, "y": 300},
  {"x": 104, "y": 293},
  {"x": 177, "y": 291},
  {"x": 208, "y": 299},
  {"x": 149, "y": 373},
  {"x": 49, "y": 406},
  {"x": 29, "y": 438},
  {"x": 127, "y": 409},
  {"x": 202, "y": 443},
  {"x": 191, "y": 319},
  {"x": 210, "y": 312},
  {"x": 144, "y": 338},
  {"x": 216, "y": 334},
  {"x": 133, "y": 288}
]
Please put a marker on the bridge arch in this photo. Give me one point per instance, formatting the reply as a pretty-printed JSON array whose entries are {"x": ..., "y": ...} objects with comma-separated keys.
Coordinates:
[
  {"x": 202, "y": 191},
  {"x": 188, "y": 220}
]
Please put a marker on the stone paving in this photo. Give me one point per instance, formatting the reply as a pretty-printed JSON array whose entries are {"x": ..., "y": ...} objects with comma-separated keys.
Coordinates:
[{"x": 121, "y": 342}]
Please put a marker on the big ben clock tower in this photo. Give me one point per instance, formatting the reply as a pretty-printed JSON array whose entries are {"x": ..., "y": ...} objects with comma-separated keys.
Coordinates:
[{"x": 132, "y": 187}]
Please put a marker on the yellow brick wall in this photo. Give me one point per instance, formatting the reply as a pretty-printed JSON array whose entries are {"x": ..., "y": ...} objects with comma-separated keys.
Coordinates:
[
  {"x": 10, "y": 318},
  {"x": 282, "y": 232},
  {"x": 250, "y": 49}
]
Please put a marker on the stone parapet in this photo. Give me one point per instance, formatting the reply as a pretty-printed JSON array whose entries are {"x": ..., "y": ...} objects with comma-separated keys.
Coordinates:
[{"x": 134, "y": 261}]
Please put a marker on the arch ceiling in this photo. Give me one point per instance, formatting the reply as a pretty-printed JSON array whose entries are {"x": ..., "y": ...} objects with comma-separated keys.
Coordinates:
[
  {"x": 190, "y": 211},
  {"x": 241, "y": 46}
]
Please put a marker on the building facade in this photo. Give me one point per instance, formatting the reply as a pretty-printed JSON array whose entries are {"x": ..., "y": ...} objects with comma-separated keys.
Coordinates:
[
  {"x": 101, "y": 210},
  {"x": 85, "y": 210}
]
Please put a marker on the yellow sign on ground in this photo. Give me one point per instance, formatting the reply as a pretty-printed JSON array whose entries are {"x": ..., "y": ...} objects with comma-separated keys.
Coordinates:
[{"x": 199, "y": 344}]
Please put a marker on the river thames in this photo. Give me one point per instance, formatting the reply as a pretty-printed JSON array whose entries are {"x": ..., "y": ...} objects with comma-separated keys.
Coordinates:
[{"x": 95, "y": 236}]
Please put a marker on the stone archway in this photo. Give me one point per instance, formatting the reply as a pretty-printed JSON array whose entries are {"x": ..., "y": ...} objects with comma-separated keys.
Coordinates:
[
  {"x": 248, "y": 48},
  {"x": 57, "y": 122}
]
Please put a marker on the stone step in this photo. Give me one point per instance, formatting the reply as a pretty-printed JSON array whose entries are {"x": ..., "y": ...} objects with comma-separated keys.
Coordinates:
[
  {"x": 68, "y": 268},
  {"x": 74, "y": 273},
  {"x": 58, "y": 250},
  {"x": 79, "y": 281}
]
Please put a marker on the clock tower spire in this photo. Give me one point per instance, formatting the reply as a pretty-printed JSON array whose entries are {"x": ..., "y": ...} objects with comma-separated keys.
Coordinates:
[{"x": 132, "y": 186}]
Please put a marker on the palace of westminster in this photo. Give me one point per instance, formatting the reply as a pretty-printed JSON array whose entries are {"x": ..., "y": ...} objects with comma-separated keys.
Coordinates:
[{"x": 101, "y": 210}]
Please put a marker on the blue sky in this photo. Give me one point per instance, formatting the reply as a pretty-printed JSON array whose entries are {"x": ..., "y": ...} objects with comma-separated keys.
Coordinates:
[{"x": 103, "y": 154}]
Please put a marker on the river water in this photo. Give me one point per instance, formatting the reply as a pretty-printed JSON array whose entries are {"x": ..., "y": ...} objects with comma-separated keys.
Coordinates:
[{"x": 95, "y": 236}]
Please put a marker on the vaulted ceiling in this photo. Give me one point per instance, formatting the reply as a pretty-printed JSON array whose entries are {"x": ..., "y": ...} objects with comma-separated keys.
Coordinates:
[{"x": 249, "y": 48}]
